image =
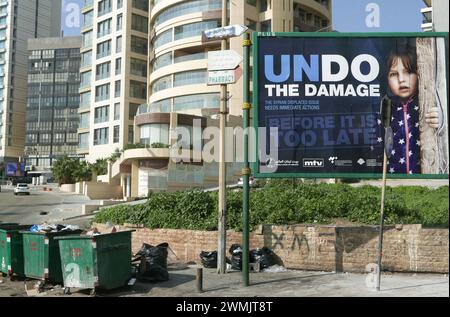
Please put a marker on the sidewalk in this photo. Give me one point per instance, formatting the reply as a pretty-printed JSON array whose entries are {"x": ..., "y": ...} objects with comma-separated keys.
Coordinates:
[{"x": 292, "y": 283}]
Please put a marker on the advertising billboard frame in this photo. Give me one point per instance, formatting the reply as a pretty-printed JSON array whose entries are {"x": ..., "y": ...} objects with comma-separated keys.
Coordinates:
[{"x": 255, "y": 102}]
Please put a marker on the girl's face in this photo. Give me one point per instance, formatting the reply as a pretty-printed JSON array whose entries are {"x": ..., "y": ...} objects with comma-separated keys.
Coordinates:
[{"x": 401, "y": 82}]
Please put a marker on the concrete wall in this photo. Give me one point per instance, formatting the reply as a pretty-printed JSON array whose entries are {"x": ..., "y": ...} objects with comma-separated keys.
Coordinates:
[
  {"x": 67, "y": 188},
  {"x": 407, "y": 248},
  {"x": 102, "y": 191}
]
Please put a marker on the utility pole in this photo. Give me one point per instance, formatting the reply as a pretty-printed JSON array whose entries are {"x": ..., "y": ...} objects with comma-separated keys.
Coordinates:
[{"x": 222, "y": 230}]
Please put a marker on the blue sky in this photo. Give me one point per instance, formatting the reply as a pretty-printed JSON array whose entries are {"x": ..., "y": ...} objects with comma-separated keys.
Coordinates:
[{"x": 348, "y": 15}]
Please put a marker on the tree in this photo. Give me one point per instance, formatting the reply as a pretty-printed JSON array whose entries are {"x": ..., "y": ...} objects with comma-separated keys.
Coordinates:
[
  {"x": 83, "y": 172},
  {"x": 64, "y": 170},
  {"x": 100, "y": 167}
]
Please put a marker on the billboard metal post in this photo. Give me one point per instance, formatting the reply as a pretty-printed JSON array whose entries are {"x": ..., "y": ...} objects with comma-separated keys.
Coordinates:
[{"x": 246, "y": 170}]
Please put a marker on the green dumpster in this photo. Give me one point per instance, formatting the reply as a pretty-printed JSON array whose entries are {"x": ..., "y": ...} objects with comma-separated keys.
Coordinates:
[
  {"x": 11, "y": 250},
  {"x": 41, "y": 253},
  {"x": 101, "y": 261}
]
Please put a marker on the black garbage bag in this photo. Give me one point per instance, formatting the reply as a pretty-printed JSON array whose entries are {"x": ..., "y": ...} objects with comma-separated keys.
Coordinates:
[
  {"x": 264, "y": 256},
  {"x": 236, "y": 257},
  {"x": 209, "y": 259},
  {"x": 153, "y": 263}
]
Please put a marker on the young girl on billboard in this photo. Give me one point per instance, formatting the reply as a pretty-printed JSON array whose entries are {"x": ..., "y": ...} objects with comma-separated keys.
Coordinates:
[{"x": 402, "y": 81}]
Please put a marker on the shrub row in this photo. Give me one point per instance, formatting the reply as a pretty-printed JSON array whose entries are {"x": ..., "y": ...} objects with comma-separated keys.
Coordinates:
[{"x": 283, "y": 203}]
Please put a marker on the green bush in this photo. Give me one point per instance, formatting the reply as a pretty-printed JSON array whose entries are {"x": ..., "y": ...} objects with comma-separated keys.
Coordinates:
[{"x": 284, "y": 202}]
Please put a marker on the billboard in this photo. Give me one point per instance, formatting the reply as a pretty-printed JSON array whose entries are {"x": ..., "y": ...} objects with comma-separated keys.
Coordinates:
[
  {"x": 325, "y": 101},
  {"x": 15, "y": 169}
]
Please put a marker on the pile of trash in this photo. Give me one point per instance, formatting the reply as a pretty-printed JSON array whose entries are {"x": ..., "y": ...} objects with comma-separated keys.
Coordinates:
[
  {"x": 152, "y": 263},
  {"x": 47, "y": 228},
  {"x": 263, "y": 256}
]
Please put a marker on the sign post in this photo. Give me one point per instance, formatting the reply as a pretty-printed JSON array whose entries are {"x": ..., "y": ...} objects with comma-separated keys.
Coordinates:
[{"x": 222, "y": 61}]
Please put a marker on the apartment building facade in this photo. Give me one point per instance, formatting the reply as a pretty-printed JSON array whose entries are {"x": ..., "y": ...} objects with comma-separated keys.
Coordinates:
[
  {"x": 53, "y": 100},
  {"x": 177, "y": 83},
  {"x": 113, "y": 74},
  {"x": 19, "y": 21},
  {"x": 435, "y": 16}
]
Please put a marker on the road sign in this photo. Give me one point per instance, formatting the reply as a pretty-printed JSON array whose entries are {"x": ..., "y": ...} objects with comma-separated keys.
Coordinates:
[
  {"x": 223, "y": 60},
  {"x": 221, "y": 77},
  {"x": 223, "y": 32}
]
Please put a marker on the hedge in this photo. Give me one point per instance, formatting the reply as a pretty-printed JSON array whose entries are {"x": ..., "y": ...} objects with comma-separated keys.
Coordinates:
[{"x": 286, "y": 203}]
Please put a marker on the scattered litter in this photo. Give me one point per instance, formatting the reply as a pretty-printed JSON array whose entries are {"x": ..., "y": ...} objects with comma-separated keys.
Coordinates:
[
  {"x": 236, "y": 257},
  {"x": 209, "y": 259},
  {"x": 46, "y": 228},
  {"x": 132, "y": 281},
  {"x": 264, "y": 256},
  {"x": 1, "y": 281},
  {"x": 275, "y": 269},
  {"x": 153, "y": 263}
]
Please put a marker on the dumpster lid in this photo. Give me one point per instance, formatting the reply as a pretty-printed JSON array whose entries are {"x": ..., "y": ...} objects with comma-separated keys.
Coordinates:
[
  {"x": 13, "y": 227},
  {"x": 93, "y": 236}
]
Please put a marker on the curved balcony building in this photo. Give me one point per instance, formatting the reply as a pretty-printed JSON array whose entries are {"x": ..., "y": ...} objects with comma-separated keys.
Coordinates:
[{"x": 178, "y": 57}]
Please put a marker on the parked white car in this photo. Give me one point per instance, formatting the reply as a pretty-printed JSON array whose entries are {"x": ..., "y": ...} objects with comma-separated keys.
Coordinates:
[{"x": 21, "y": 188}]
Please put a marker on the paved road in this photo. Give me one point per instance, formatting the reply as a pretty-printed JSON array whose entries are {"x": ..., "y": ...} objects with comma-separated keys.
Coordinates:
[{"x": 27, "y": 209}]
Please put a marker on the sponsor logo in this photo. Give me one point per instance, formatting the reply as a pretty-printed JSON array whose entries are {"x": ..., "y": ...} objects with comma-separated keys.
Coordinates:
[
  {"x": 332, "y": 159},
  {"x": 313, "y": 163}
]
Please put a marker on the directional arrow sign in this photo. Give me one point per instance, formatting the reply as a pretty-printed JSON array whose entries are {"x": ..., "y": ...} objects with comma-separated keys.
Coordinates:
[
  {"x": 224, "y": 32},
  {"x": 223, "y": 60}
]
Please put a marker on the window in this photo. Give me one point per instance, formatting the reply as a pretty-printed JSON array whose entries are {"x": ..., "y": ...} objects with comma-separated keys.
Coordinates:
[
  {"x": 103, "y": 70},
  {"x": 118, "y": 66},
  {"x": 119, "y": 4},
  {"x": 263, "y": 6},
  {"x": 101, "y": 114},
  {"x": 104, "y": 7},
  {"x": 251, "y": 25},
  {"x": 138, "y": 89},
  {"x": 139, "y": 45},
  {"x": 104, "y": 28},
  {"x": 117, "y": 88},
  {"x": 102, "y": 92},
  {"x": 162, "y": 83},
  {"x": 116, "y": 134},
  {"x": 86, "y": 59},
  {"x": 163, "y": 38},
  {"x": 132, "y": 110},
  {"x": 141, "y": 5},
  {"x": 190, "y": 78},
  {"x": 139, "y": 23},
  {"x": 85, "y": 80},
  {"x": 196, "y": 102},
  {"x": 130, "y": 134},
  {"x": 87, "y": 39},
  {"x": 138, "y": 67},
  {"x": 103, "y": 49},
  {"x": 154, "y": 133},
  {"x": 119, "y": 44},
  {"x": 119, "y": 22},
  {"x": 187, "y": 8},
  {"x": 117, "y": 111},
  {"x": 193, "y": 29},
  {"x": 101, "y": 136},
  {"x": 252, "y": 2},
  {"x": 266, "y": 26},
  {"x": 85, "y": 99},
  {"x": 163, "y": 60},
  {"x": 84, "y": 120}
]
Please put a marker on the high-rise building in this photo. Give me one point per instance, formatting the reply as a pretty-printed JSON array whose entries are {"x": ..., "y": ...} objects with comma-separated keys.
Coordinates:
[
  {"x": 19, "y": 21},
  {"x": 178, "y": 93},
  {"x": 53, "y": 100},
  {"x": 435, "y": 16},
  {"x": 113, "y": 73}
]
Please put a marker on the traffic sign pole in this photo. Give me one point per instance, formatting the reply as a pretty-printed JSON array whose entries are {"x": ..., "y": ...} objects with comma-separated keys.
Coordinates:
[{"x": 221, "y": 252}]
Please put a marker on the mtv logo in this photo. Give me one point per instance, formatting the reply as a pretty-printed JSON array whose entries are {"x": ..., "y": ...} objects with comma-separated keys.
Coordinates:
[{"x": 317, "y": 163}]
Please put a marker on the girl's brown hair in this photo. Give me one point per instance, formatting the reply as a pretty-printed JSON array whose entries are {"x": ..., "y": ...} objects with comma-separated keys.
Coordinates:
[{"x": 407, "y": 56}]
